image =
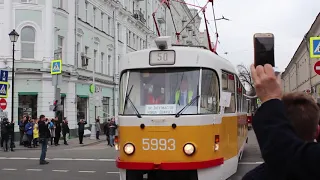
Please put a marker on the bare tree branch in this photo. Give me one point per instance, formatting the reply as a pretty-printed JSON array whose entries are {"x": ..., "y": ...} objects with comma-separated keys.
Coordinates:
[{"x": 245, "y": 76}]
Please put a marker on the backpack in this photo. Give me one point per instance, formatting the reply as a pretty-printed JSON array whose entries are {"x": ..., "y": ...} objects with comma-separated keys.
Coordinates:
[{"x": 51, "y": 125}]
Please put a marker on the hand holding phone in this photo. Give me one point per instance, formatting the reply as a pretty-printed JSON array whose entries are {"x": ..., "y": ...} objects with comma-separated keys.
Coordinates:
[{"x": 263, "y": 49}]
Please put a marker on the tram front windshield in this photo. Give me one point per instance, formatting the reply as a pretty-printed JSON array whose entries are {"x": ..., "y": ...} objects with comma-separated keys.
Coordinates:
[{"x": 160, "y": 91}]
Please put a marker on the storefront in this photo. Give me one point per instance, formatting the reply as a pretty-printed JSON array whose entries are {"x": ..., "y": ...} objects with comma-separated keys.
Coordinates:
[{"x": 87, "y": 106}]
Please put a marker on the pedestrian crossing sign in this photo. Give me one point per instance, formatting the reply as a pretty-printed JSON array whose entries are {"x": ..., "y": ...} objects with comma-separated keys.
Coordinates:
[
  {"x": 56, "y": 66},
  {"x": 315, "y": 47},
  {"x": 4, "y": 86}
]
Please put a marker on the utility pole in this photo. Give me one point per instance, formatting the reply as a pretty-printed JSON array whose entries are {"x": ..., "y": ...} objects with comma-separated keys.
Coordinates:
[{"x": 56, "y": 70}]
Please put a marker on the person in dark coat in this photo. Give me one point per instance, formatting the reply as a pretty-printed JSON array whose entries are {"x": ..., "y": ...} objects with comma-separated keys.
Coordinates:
[
  {"x": 285, "y": 154},
  {"x": 112, "y": 131},
  {"x": 57, "y": 131},
  {"x": 304, "y": 115},
  {"x": 44, "y": 134},
  {"x": 106, "y": 130},
  {"x": 5, "y": 133},
  {"x": 65, "y": 130},
  {"x": 21, "y": 128},
  {"x": 81, "y": 125}
]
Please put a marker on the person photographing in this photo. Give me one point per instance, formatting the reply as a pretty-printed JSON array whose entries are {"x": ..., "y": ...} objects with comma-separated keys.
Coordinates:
[{"x": 286, "y": 155}]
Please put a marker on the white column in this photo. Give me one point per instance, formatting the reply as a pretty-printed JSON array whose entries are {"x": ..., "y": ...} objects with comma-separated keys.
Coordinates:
[
  {"x": 71, "y": 34},
  {"x": 70, "y": 103},
  {"x": 49, "y": 32},
  {"x": 116, "y": 64},
  {"x": 46, "y": 97},
  {"x": 6, "y": 43}
]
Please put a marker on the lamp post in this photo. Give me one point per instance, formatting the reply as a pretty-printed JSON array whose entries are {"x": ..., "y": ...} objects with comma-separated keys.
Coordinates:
[{"x": 13, "y": 38}]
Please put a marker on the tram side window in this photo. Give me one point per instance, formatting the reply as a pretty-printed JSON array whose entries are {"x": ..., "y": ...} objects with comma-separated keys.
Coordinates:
[
  {"x": 122, "y": 91},
  {"x": 228, "y": 81},
  {"x": 209, "y": 92},
  {"x": 239, "y": 95}
]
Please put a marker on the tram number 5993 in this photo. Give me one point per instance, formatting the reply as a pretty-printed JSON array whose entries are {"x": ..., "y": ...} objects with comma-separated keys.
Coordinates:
[{"x": 158, "y": 144}]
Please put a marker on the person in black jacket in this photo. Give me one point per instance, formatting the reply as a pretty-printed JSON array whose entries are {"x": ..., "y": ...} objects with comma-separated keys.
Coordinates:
[
  {"x": 57, "y": 136},
  {"x": 285, "y": 154},
  {"x": 81, "y": 125},
  {"x": 65, "y": 130},
  {"x": 5, "y": 133},
  {"x": 304, "y": 115},
  {"x": 44, "y": 134}
]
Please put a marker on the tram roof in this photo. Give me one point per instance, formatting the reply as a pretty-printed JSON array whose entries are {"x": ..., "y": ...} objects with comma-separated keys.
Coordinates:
[{"x": 185, "y": 57}]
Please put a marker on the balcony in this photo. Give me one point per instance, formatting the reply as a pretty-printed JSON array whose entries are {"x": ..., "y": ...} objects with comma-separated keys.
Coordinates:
[
  {"x": 161, "y": 19},
  {"x": 138, "y": 15}
]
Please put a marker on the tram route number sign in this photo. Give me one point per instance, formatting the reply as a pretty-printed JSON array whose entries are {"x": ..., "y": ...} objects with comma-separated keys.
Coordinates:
[
  {"x": 163, "y": 57},
  {"x": 155, "y": 144}
]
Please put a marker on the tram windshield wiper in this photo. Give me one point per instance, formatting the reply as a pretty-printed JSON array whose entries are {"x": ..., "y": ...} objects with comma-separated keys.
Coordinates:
[
  {"x": 132, "y": 105},
  {"x": 186, "y": 106}
]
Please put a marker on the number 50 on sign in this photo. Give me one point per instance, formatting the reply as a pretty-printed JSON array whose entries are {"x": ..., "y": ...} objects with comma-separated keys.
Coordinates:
[{"x": 165, "y": 57}]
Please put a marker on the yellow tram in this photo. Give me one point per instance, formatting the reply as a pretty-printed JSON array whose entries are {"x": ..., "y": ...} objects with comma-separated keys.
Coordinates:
[{"x": 182, "y": 114}]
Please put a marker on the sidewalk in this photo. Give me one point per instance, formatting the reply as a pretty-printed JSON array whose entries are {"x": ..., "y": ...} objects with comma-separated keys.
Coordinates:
[{"x": 73, "y": 143}]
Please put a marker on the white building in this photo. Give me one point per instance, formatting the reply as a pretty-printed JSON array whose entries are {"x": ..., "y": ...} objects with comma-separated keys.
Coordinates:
[
  {"x": 299, "y": 75},
  {"x": 101, "y": 31}
]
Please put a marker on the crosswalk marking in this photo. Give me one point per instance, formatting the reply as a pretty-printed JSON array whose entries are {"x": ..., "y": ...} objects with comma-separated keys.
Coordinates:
[
  {"x": 8, "y": 169},
  {"x": 60, "y": 170}
]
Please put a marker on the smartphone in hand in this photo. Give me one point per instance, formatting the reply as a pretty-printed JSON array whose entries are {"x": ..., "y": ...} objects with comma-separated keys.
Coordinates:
[{"x": 263, "y": 49}]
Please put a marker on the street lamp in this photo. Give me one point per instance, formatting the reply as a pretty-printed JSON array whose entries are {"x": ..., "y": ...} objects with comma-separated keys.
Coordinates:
[{"x": 13, "y": 38}]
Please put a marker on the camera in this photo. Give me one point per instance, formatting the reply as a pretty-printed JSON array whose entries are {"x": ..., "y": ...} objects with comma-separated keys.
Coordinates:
[{"x": 163, "y": 42}]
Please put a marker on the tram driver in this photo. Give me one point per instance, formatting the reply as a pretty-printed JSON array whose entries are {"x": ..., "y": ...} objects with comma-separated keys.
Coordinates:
[{"x": 184, "y": 94}]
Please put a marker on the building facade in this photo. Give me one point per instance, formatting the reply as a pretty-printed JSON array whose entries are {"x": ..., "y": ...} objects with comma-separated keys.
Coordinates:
[
  {"x": 90, "y": 37},
  {"x": 299, "y": 75}
]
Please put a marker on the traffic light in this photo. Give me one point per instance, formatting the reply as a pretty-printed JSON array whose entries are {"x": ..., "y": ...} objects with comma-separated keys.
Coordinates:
[{"x": 55, "y": 104}]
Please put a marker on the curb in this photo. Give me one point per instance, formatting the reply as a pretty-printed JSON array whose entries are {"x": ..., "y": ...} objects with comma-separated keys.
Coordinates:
[
  {"x": 39, "y": 148},
  {"x": 93, "y": 143}
]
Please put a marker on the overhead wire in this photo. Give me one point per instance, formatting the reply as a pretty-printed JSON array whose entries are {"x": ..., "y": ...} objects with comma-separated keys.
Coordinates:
[{"x": 167, "y": 2}]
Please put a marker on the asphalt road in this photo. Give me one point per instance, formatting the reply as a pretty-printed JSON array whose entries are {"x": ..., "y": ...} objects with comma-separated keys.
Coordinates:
[{"x": 90, "y": 162}]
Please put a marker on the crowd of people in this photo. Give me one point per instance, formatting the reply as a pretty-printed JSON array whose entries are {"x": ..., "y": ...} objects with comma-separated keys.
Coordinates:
[{"x": 40, "y": 131}]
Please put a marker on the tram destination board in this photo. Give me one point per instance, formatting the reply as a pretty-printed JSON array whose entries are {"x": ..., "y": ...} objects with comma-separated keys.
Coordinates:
[{"x": 162, "y": 57}]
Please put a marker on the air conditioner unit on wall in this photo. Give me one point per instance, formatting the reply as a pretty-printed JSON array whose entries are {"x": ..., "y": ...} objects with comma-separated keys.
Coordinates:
[{"x": 84, "y": 59}]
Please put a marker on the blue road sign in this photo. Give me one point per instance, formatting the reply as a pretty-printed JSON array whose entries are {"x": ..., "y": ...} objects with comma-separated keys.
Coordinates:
[
  {"x": 4, "y": 76},
  {"x": 56, "y": 66},
  {"x": 315, "y": 47},
  {"x": 3, "y": 89}
]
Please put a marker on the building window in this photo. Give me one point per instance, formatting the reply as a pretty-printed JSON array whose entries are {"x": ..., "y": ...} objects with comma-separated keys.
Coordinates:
[
  {"x": 109, "y": 25},
  {"x": 105, "y": 108},
  {"x": 78, "y": 52},
  {"x": 101, "y": 62},
  {"x": 86, "y": 9},
  {"x": 60, "y": 46},
  {"x": 95, "y": 59},
  {"x": 27, "y": 105},
  {"x": 60, "y": 4},
  {"x": 102, "y": 23},
  {"x": 82, "y": 105},
  {"x": 129, "y": 42},
  {"x": 94, "y": 16},
  {"x": 109, "y": 65},
  {"x": 28, "y": 40},
  {"x": 118, "y": 28},
  {"x": 27, "y": 1}
]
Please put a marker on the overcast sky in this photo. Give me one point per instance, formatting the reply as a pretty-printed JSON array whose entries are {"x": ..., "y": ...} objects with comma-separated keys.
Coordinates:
[{"x": 288, "y": 20}]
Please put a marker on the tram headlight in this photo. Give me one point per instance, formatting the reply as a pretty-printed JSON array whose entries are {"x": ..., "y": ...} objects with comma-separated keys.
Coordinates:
[
  {"x": 129, "y": 148},
  {"x": 189, "y": 149}
]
